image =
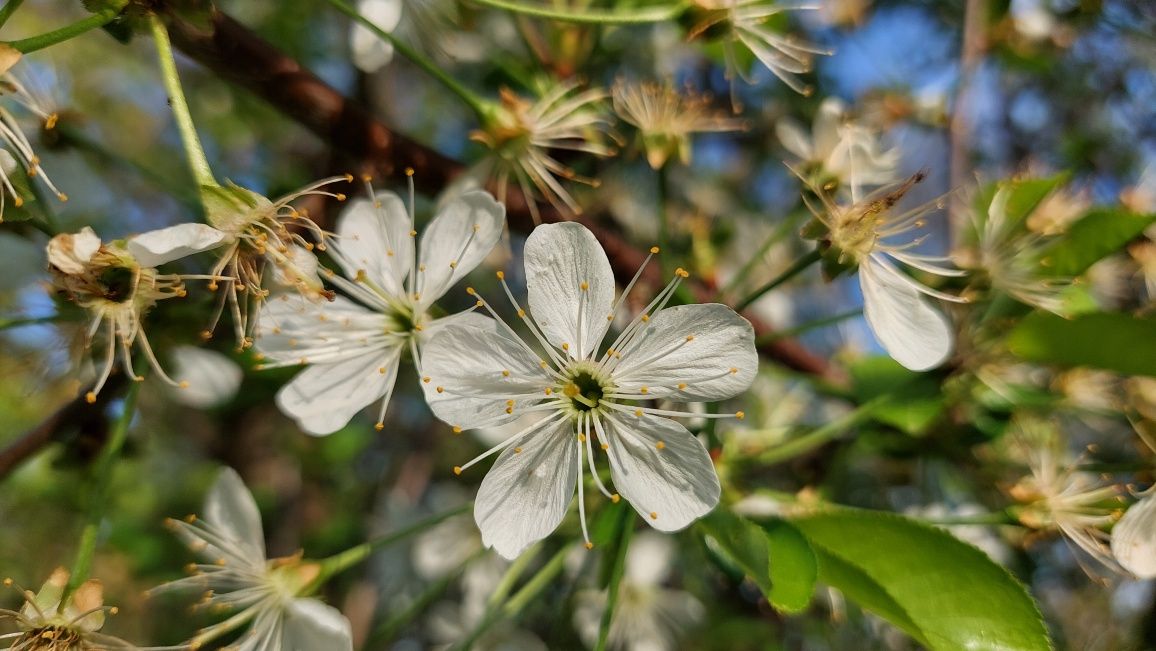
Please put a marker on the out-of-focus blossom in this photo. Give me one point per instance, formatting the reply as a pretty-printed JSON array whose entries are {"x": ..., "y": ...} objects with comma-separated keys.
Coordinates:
[
  {"x": 666, "y": 119},
  {"x": 838, "y": 148},
  {"x": 352, "y": 346},
  {"x": 268, "y": 595},
  {"x": 521, "y": 134},
  {"x": 1144, "y": 255},
  {"x": 649, "y": 616},
  {"x": 211, "y": 378},
  {"x": 1134, "y": 538},
  {"x": 117, "y": 283},
  {"x": 745, "y": 25},
  {"x": 19, "y": 152},
  {"x": 371, "y": 52},
  {"x": 1058, "y": 211},
  {"x": 483, "y": 377},
  {"x": 863, "y": 232},
  {"x": 1089, "y": 389}
]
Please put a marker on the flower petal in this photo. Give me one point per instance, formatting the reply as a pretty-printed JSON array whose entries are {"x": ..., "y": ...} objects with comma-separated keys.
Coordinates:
[
  {"x": 230, "y": 509},
  {"x": 794, "y": 138},
  {"x": 212, "y": 378},
  {"x": 470, "y": 365},
  {"x": 825, "y": 131},
  {"x": 1134, "y": 538},
  {"x": 915, "y": 334},
  {"x": 559, "y": 259},
  {"x": 695, "y": 345},
  {"x": 370, "y": 51},
  {"x": 375, "y": 238},
  {"x": 661, "y": 469},
  {"x": 295, "y": 328},
  {"x": 312, "y": 626},
  {"x": 324, "y": 397},
  {"x": 71, "y": 252},
  {"x": 460, "y": 236},
  {"x": 155, "y": 248},
  {"x": 525, "y": 495}
]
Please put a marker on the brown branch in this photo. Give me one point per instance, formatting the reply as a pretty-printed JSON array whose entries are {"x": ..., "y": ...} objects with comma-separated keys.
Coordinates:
[{"x": 243, "y": 58}]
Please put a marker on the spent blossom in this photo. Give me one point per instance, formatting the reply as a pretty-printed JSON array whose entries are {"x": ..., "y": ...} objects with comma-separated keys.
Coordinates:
[
  {"x": 520, "y": 135},
  {"x": 352, "y": 346},
  {"x": 268, "y": 595},
  {"x": 118, "y": 283},
  {"x": 666, "y": 119},
  {"x": 487, "y": 376},
  {"x": 872, "y": 234}
]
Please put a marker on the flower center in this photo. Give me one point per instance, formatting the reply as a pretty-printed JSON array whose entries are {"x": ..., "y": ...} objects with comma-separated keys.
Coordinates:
[
  {"x": 50, "y": 638},
  {"x": 585, "y": 388}
]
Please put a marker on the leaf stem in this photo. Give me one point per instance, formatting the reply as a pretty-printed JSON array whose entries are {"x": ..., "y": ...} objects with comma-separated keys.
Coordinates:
[
  {"x": 102, "y": 480},
  {"x": 634, "y": 17},
  {"x": 172, "y": 81},
  {"x": 817, "y": 437},
  {"x": 472, "y": 100},
  {"x": 41, "y": 41},
  {"x": 789, "y": 273}
]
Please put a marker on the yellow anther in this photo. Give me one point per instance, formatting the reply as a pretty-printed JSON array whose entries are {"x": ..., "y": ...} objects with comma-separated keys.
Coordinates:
[
  {"x": 543, "y": 363},
  {"x": 339, "y": 196},
  {"x": 660, "y": 445},
  {"x": 413, "y": 233},
  {"x": 381, "y": 369},
  {"x": 509, "y": 410},
  {"x": 584, "y": 286},
  {"x": 366, "y": 178},
  {"x": 477, "y": 227},
  {"x": 605, "y": 446},
  {"x": 457, "y": 470},
  {"x": 645, "y": 318},
  {"x": 480, "y": 303},
  {"x": 379, "y": 426},
  {"x": 565, "y": 346},
  {"x": 114, "y": 610},
  {"x": 470, "y": 291},
  {"x": 734, "y": 369},
  {"x": 589, "y": 545},
  {"x": 654, "y": 515},
  {"x": 517, "y": 450},
  {"x": 90, "y": 397},
  {"x": 654, "y": 249},
  {"x": 681, "y": 386},
  {"x": 740, "y": 415},
  {"x": 190, "y": 518},
  {"x": 457, "y": 430},
  {"x": 609, "y": 317},
  {"x": 682, "y": 273},
  {"x": 615, "y": 498},
  {"x": 581, "y": 438},
  {"x": 426, "y": 379},
  {"x": 441, "y": 389},
  {"x": 509, "y": 403},
  {"x": 183, "y": 384},
  {"x": 644, "y": 390},
  {"x": 521, "y": 314},
  {"x": 453, "y": 264},
  {"x": 409, "y": 171},
  {"x": 690, "y": 337},
  {"x": 501, "y": 275},
  {"x": 549, "y": 391},
  {"x": 505, "y": 373},
  {"x": 638, "y": 413}
]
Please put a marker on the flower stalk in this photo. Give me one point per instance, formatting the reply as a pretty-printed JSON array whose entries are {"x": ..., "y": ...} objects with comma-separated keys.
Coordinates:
[
  {"x": 790, "y": 272},
  {"x": 643, "y": 16},
  {"x": 57, "y": 36}
]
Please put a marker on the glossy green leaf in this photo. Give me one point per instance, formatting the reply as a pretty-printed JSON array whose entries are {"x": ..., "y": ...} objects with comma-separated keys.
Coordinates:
[
  {"x": 947, "y": 594},
  {"x": 776, "y": 556},
  {"x": 1099, "y": 234},
  {"x": 1107, "y": 340},
  {"x": 1025, "y": 195}
]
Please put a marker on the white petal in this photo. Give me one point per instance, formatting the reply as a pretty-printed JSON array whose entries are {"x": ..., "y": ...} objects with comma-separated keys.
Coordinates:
[
  {"x": 213, "y": 378},
  {"x": 648, "y": 559},
  {"x": 525, "y": 495},
  {"x": 559, "y": 258},
  {"x": 721, "y": 340},
  {"x": 470, "y": 360},
  {"x": 155, "y": 248},
  {"x": 376, "y": 239},
  {"x": 370, "y": 51},
  {"x": 324, "y": 397},
  {"x": 71, "y": 252},
  {"x": 1134, "y": 538},
  {"x": 469, "y": 319},
  {"x": 294, "y": 327},
  {"x": 230, "y": 508},
  {"x": 826, "y": 128},
  {"x": 8, "y": 162},
  {"x": 294, "y": 267},
  {"x": 460, "y": 236},
  {"x": 313, "y": 626},
  {"x": 794, "y": 138},
  {"x": 672, "y": 486},
  {"x": 915, "y": 334}
]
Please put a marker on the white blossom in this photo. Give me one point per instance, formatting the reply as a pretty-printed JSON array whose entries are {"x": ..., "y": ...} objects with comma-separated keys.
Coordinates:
[
  {"x": 839, "y": 148},
  {"x": 1134, "y": 538},
  {"x": 370, "y": 51},
  {"x": 483, "y": 376},
  {"x": 266, "y": 594},
  {"x": 352, "y": 346}
]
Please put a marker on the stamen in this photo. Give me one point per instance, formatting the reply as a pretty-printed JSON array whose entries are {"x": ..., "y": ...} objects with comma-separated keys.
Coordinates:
[{"x": 509, "y": 441}]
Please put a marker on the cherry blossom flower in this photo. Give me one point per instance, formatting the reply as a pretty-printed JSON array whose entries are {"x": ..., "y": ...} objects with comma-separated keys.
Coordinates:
[
  {"x": 1134, "y": 538},
  {"x": 666, "y": 119},
  {"x": 482, "y": 377},
  {"x": 118, "y": 283},
  {"x": 863, "y": 232},
  {"x": 838, "y": 148},
  {"x": 267, "y": 594},
  {"x": 19, "y": 152},
  {"x": 352, "y": 346}
]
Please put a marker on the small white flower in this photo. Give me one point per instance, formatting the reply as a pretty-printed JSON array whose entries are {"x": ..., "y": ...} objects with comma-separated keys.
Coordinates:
[
  {"x": 370, "y": 51},
  {"x": 267, "y": 594},
  {"x": 118, "y": 284},
  {"x": 213, "y": 378},
  {"x": 482, "y": 377},
  {"x": 1134, "y": 538},
  {"x": 649, "y": 616},
  {"x": 863, "y": 232},
  {"x": 839, "y": 148},
  {"x": 352, "y": 347},
  {"x": 666, "y": 119}
]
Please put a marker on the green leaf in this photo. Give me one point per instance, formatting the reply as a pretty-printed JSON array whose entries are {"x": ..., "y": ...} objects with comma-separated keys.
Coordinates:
[
  {"x": 1099, "y": 234},
  {"x": 914, "y": 400},
  {"x": 1108, "y": 340},
  {"x": 945, "y": 593},
  {"x": 1025, "y": 195},
  {"x": 794, "y": 568},
  {"x": 775, "y": 556}
]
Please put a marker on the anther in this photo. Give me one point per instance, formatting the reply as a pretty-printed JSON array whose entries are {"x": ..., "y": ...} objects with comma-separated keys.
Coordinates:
[
  {"x": 501, "y": 275},
  {"x": 638, "y": 413},
  {"x": 183, "y": 384},
  {"x": 457, "y": 430},
  {"x": 644, "y": 390},
  {"x": 584, "y": 286},
  {"x": 90, "y": 397},
  {"x": 734, "y": 369},
  {"x": 517, "y": 450},
  {"x": 426, "y": 379},
  {"x": 470, "y": 291},
  {"x": 740, "y": 415},
  {"x": 441, "y": 389},
  {"x": 682, "y": 273},
  {"x": 589, "y": 545},
  {"x": 606, "y": 446},
  {"x": 660, "y": 445},
  {"x": 457, "y": 470},
  {"x": 681, "y": 386},
  {"x": 615, "y": 498},
  {"x": 409, "y": 171},
  {"x": 549, "y": 391},
  {"x": 565, "y": 346},
  {"x": 654, "y": 249},
  {"x": 379, "y": 426},
  {"x": 581, "y": 438},
  {"x": 645, "y": 318},
  {"x": 690, "y": 337},
  {"x": 654, "y": 515},
  {"x": 505, "y": 373}
]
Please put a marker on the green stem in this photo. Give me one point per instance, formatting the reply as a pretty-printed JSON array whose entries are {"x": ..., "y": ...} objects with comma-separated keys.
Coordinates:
[
  {"x": 626, "y": 529},
  {"x": 775, "y": 237},
  {"x": 476, "y": 104},
  {"x": 806, "y": 327},
  {"x": 344, "y": 560},
  {"x": 634, "y": 17},
  {"x": 39, "y": 42},
  {"x": 8, "y": 9},
  {"x": 796, "y": 267},
  {"x": 520, "y": 600},
  {"x": 8, "y": 324},
  {"x": 193, "y": 150},
  {"x": 663, "y": 220},
  {"x": 818, "y": 437},
  {"x": 102, "y": 480}
]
